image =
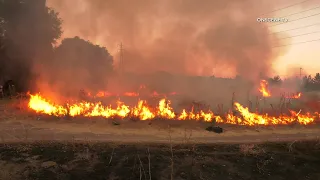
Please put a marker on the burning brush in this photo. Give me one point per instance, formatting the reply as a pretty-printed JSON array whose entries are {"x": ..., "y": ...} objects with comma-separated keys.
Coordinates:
[{"x": 142, "y": 111}]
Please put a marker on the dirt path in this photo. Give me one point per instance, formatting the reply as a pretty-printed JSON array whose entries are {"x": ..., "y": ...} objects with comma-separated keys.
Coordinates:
[{"x": 31, "y": 129}]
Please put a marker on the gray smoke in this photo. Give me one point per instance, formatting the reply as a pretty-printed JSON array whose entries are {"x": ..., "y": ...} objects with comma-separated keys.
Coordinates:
[{"x": 186, "y": 37}]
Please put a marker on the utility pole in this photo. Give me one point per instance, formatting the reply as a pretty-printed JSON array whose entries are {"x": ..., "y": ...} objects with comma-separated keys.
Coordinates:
[
  {"x": 301, "y": 81},
  {"x": 121, "y": 63}
]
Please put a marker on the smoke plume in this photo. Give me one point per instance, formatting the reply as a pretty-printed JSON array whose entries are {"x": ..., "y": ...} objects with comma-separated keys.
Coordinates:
[{"x": 182, "y": 37}]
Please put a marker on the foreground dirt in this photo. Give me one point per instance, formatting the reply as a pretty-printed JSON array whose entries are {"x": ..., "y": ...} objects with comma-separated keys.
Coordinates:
[{"x": 86, "y": 161}]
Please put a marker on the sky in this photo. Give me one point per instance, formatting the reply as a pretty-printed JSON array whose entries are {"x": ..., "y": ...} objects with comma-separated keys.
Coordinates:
[
  {"x": 296, "y": 55},
  {"x": 305, "y": 55}
]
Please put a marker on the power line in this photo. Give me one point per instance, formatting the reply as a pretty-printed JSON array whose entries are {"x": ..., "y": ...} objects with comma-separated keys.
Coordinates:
[
  {"x": 300, "y": 35},
  {"x": 296, "y": 28},
  {"x": 298, "y": 13},
  {"x": 284, "y": 7},
  {"x": 314, "y": 40},
  {"x": 301, "y": 12},
  {"x": 296, "y": 19}
]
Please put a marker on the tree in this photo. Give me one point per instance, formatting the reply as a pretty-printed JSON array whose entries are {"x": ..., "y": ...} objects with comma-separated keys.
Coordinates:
[
  {"x": 316, "y": 78},
  {"x": 275, "y": 80},
  {"x": 28, "y": 30},
  {"x": 80, "y": 64},
  {"x": 308, "y": 83}
]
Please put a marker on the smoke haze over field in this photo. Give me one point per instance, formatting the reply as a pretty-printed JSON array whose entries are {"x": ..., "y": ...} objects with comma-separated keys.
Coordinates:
[{"x": 184, "y": 37}]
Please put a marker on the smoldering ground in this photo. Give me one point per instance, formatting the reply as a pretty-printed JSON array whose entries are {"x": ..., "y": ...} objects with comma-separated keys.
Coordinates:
[{"x": 220, "y": 38}]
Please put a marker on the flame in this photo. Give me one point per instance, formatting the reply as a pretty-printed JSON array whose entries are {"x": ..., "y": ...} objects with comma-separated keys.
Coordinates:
[
  {"x": 142, "y": 111},
  {"x": 131, "y": 94},
  {"x": 154, "y": 93},
  {"x": 297, "y": 96},
  {"x": 294, "y": 96},
  {"x": 263, "y": 88},
  {"x": 163, "y": 110},
  {"x": 142, "y": 86},
  {"x": 100, "y": 94},
  {"x": 249, "y": 118},
  {"x": 103, "y": 94}
]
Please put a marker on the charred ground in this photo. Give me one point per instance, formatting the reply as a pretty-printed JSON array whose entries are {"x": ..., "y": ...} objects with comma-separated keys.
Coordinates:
[{"x": 89, "y": 160}]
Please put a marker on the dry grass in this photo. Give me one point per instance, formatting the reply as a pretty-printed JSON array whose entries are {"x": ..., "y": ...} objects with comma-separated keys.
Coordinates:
[
  {"x": 176, "y": 134},
  {"x": 291, "y": 146},
  {"x": 187, "y": 135},
  {"x": 28, "y": 126},
  {"x": 9, "y": 170},
  {"x": 250, "y": 149},
  {"x": 206, "y": 160},
  {"x": 171, "y": 151},
  {"x": 20, "y": 102}
]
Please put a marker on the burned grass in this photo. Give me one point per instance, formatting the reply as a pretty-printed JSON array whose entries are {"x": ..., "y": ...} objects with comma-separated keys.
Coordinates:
[{"x": 89, "y": 160}]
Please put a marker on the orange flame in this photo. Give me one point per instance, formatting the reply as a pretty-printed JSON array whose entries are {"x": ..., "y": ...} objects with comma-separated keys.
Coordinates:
[
  {"x": 294, "y": 96},
  {"x": 143, "y": 112},
  {"x": 131, "y": 94},
  {"x": 103, "y": 94},
  {"x": 154, "y": 93},
  {"x": 128, "y": 94},
  {"x": 263, "y": 88},
  {"x": 297, "y": 96},
  {"x": 249, "y": 118}
]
